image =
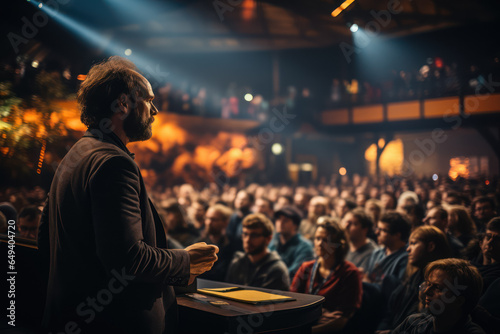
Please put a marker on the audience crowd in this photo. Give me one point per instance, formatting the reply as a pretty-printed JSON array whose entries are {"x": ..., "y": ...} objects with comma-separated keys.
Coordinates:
[{"x": 400, "y": 255}]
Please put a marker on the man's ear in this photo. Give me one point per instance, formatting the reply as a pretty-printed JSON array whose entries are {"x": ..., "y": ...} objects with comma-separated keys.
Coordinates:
[
  {"x": 123, "y": 104},
  {"x": 431, "y": 246}
]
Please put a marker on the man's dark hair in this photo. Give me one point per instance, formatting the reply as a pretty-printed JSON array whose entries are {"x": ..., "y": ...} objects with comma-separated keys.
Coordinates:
[
  {"x": 462, "y": 273},
  {"x": 494, "y": 225},
  {"x": 268, "y": 201},
  {"x": 31, "y": 212},
  {"x": 397, "y": 224},
  {"x": 203, "y": 203},
  {"x": 483, "y": 199},
  {"x": 258, "y": 220},
  {"x": 99, "y": 93},
  {"x": 350, "y": 204},
  {"x": 363, "y": 218},
  {"x": 442, "y": 213}
]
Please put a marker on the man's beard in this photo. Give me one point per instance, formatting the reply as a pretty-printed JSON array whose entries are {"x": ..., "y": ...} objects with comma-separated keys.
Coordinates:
[{"x": 136, "y": 129}]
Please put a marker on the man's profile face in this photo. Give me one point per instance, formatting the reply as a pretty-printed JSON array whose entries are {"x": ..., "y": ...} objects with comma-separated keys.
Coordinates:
[
  {"x": 242, "y": 201},
  {"x": 138, "y": 124},
  {"x": 491, "y": 245},
  {"x": 384, "y": 236}
]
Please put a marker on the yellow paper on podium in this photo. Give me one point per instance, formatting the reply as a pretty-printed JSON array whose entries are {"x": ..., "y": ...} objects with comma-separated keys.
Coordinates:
[{"x": 246, "y": 296}]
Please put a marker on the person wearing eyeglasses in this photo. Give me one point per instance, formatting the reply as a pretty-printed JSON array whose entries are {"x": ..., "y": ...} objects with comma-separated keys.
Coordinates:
[
  {"x": 392, "y": 232},
  {"x": 426, "y": 244},
  {"x": 257, "y": 266},
  {"x": 450, "y": 292}
]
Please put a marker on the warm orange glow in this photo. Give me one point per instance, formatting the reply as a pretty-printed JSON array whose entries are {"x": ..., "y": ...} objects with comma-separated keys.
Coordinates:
[
  {"x": 381, "y": 142},
  {"x": 459, "y": 167},
  {"x": 342, "y": 171},
  {"x": 340, "y": 8},
  {"x": 31, "y": 116},
  {"x": 81, "y": 77},
  {"x": 391, "y": 159},
  {"x": 249, "y": 7},
  {"x": 487, "y": 182}
]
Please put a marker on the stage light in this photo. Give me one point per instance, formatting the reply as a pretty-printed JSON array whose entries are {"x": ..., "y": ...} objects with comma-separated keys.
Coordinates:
[
  {"x": 354, "y": 27},
  {"x": 40, "y": 5},
  {"x": 342, "y": 171},
  {"x": 277, "y": 149},
  {"x": 307, "y": 167},
  {"x": 128, "y": 52},
  {"x": 435, "y": 177},
  {"x": 248, "y": 97},
  {"x": 35, "y": 64}
]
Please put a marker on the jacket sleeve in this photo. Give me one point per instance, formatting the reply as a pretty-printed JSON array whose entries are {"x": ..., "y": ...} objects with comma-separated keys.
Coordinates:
[
  {"x": 116, "y": 215},
  {"x": 300, "y": 279}
]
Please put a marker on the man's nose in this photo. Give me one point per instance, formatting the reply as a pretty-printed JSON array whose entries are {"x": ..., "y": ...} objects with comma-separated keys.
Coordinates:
[{"x": 154, "y": 110}]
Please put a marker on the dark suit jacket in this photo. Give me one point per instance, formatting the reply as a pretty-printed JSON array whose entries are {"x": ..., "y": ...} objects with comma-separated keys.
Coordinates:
[{"x": 110, "y": 270}]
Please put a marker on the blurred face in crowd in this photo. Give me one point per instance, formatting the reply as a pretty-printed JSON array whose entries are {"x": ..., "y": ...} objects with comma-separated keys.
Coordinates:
[
  {"x": 361, "y": 200},
  {"x": 353, "y": 227},
  {"x": 387, "y": 202},
  {"x": 323, "y": 246},
  {"x": 316, "y": 208},
  {"x": 434, "y": 219},
  {"x": 341, "y": 208},
  {"x": 198, "y": 211},
  {"x": 28, "y": 228},
  {"x": 242, "y": 202},
  {"x": 373, "y": 211},
  {"x": 300, "y": 201},
  {"x": 483, "y": 211},
  {"x": 215, "y": 222},
  {"x": 262, "y": 206},
  {"x": 491, "y": 245},
  {"x": 254, "y": 241},
  {"x": 285, "y": 226}
]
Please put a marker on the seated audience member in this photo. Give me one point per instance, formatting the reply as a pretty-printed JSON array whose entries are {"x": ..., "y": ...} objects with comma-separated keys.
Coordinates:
[
  {"x": 179, "y": 228},
  {"x": 450, "y": 292},
  {"x": 490, "y": 268},
  {"x": 438, "y": 217},
  {"x": 357, "y": 224},
  {"x": 293, "y": 248},
  {"x": 405, "y": 199},
  {"x": 257, "y": 266},
  {"x": 483, "y": 210},
  {"x": 388, "y": 201},
  {"x": 373, "y": 208},
  {"x": 332, "y": 277},
  {"x": 318, "y": 206},
  {"x": 281, "y": 201},
  {"x": 242, "y": 205},
  {"x": 342, "y": 206},
  {"x": 426, "y": 244},
  {"x": 460, "y": 224},
  {"x": 216, "y": 221},
  {"x": 265, "y": 206},
  {"x": 392, "y": 233},
  {"x": 301, "y": 201},
  {"x": 28, "y": 222},
  {"x": 197, "y": 213}
]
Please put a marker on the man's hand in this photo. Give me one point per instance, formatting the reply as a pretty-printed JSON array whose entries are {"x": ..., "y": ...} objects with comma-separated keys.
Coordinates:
[{"x": 201, "y": 257}]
